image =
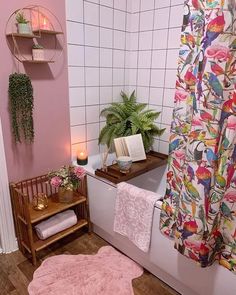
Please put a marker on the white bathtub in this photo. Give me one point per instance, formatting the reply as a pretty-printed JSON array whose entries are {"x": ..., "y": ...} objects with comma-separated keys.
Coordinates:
[{"x": 162, "y": 260}]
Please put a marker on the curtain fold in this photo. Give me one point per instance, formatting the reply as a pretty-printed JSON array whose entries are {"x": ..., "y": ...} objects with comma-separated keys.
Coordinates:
[{"x": 199, "y": 208}]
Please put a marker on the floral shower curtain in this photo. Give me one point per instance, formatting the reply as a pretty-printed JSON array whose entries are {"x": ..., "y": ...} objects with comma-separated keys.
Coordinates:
[{"x": 199, "y": 208}]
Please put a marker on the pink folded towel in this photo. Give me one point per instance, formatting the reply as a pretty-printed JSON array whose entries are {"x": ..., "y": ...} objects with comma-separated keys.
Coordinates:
[
  {"x": 55, "y": 224},
  {"x": 134, "y": 213}
]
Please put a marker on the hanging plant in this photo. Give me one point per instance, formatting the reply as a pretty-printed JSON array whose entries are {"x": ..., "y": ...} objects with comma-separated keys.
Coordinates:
[{"x": 21, "y": 107}]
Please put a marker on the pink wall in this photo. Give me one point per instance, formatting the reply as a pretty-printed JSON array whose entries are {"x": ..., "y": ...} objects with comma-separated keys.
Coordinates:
[{"x": 51, "y": 148}]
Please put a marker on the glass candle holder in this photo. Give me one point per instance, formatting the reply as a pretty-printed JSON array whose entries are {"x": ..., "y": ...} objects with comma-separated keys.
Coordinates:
[
  {"x": 40, "y": 201},
  {"x": 82, "y": 158}
]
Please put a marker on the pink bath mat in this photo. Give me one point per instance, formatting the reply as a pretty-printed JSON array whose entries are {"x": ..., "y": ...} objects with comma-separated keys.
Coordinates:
[{"x": 106, "y": 273}]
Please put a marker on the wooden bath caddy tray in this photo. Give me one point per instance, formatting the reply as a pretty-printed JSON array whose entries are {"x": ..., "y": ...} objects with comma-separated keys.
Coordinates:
[{"x": 114, "y": 175}]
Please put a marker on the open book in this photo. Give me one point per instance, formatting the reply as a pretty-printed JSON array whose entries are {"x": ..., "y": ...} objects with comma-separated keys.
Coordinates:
[{"x": 130, "y": 146}]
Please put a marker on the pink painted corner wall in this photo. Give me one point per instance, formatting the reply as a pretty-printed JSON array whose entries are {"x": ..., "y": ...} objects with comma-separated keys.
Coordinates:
[{"x": 51, "y": 147}]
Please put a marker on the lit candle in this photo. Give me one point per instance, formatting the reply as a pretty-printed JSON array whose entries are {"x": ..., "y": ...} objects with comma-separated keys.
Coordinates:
[
  {"x": 82, "y": 158},
  {"x": 44, "y": 24}
]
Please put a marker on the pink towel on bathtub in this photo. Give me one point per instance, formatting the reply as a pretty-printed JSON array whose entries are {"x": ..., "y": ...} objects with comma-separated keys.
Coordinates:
[{"x": 134, "y": 213}]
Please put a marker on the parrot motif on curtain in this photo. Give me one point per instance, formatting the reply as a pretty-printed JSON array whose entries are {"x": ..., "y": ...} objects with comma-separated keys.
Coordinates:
[{"x": 199, "y": 208}]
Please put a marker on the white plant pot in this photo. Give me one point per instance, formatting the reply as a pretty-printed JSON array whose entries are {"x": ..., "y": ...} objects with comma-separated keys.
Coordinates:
[
  {"x": 24, "y": 29},
  {"x": 38, "y": 54}
]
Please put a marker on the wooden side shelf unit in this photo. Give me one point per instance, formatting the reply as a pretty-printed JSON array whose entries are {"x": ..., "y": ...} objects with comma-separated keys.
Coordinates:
[
  {"x": 113, "y": 174},
  {"x": 26, "y": 217}
]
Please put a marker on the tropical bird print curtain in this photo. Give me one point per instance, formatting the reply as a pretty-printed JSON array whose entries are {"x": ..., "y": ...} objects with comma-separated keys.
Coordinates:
[{"x": 199, "y": 208}]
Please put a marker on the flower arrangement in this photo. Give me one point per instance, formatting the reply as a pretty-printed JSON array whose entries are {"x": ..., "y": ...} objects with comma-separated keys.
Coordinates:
[{"x": 67, "y": 177}]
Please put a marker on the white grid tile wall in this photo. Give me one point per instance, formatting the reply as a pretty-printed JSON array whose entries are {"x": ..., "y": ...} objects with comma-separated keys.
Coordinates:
[
  {"x": 96, "y": 57},
  {"x": 115, "y": 45},
  {"x": 154, "y": 38}
]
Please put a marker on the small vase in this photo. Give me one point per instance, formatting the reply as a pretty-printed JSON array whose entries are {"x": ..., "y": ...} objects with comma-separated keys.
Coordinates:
[
  {"x": 65, "y": 195},
  {"x": 38, "y": 54},
  {"x": 24, "y": 29}
]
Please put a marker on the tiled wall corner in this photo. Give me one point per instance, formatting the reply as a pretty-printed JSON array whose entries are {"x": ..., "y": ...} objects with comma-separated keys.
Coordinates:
[
  {"x": 154, "y": 39},
  {"x": 115, "y": 45},
  {"x": 96, "y": 43}
]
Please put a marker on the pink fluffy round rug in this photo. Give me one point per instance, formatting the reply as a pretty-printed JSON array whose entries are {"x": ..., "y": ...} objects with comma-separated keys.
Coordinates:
[{"x": 106, "y": 273}]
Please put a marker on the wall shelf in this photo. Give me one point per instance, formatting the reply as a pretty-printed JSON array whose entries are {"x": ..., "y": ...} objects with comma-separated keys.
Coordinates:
[
  {"x": 47, "y": 32},
  {"x": 113, "y": 174},
  {"x": 43, "y": 28},
  {"x": 31, "y": 61},
  {"x": 30, "y": 36}
]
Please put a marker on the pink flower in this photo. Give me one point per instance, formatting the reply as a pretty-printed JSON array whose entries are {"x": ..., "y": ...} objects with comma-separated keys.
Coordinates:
[
  {"x": 196, "y": 121},
  {"x": 230, "y": 196},
  {"x": 79, "y": 172},
  {"x": 180, "y": 95},
  {"x": 231, "y": 123},
  {"x": 180, "y": 155},
  {"x": 218, "y": 52},
  {"x": 56, "y": 181},
  {"x": 193, "y": 245}
]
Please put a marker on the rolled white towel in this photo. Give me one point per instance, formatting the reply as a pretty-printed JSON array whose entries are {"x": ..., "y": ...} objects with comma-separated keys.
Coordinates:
[{"x": 56, "y": 224}]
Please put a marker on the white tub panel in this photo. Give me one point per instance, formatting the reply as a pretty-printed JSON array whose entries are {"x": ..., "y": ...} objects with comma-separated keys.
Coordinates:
[
  {"x": 163, "y": 260},
  {"x": 101, "y": 203}
]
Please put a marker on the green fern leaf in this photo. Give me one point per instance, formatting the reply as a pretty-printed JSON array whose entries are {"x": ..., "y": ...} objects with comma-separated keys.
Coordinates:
[{"x": 128, "y": 118}]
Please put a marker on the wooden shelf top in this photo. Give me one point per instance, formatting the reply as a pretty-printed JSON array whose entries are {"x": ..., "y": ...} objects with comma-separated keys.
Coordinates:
[
  {"x": 47, "y": 32},
  {"x": 35, "y": 34},
  {"x": 37, "y": 61},
  {"x": 21, "y": 35},
  {"x": 54, "y": 206},
  {"x": 153, "y": 161},
  {"x": 40, "y": 244}
]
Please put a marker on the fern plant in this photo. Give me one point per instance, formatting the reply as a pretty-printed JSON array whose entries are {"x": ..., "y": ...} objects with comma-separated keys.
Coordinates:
[{"x": 128, "y": 118}]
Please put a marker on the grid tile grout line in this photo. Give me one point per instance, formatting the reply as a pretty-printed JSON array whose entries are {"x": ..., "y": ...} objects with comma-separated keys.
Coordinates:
[
  {"x": 99, "y": 88},
  {"x": 165, "y": 76},
  {"x": 113, "y": 36},
  {"x": 103, "y": 5},
  {"x": 150, "y": 76},
  {"x": 166, "y": 56},
  {"x": 122, "y": 67},
  {"x": 125, "y": 55},
  {"x": 85, "y": 91},
  {"x": 123, "y": 31},
  {"x": 137, "y": 76},
  {"x": 94, "y": 86}
]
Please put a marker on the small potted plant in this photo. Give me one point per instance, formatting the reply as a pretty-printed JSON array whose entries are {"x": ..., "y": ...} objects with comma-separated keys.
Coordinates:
[
  {"x": 38, "y": 52},
  {"x": 129, "y": 117},
  {"x": 23, "y": 26},
  {"x": 66, "y": 179}
]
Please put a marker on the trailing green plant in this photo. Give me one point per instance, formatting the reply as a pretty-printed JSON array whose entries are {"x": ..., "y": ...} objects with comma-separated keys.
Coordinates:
[
  {"x": 20, "y": 18},
  {"x": 128, "y": 118},
  {"x": 21, "y": 104}
]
